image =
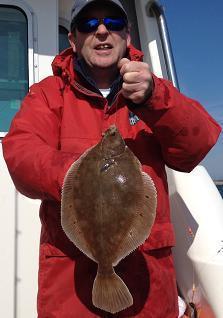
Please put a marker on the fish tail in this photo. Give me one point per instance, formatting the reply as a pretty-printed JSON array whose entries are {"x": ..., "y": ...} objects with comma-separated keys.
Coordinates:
[{"x": 110, "y": 293}]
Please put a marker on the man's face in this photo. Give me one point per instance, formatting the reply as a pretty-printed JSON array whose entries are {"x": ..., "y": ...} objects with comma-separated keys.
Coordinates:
[{"x": 101, "y": 48}]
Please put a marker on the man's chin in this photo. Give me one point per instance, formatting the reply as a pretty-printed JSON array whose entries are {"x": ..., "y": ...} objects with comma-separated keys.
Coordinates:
[{"x": 105, "y": 64}]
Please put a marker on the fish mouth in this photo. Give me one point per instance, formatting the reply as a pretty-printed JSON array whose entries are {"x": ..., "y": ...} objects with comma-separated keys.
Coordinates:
[
  {"x": 111, "y": 131},
  {"x": 112, "y": 143}
]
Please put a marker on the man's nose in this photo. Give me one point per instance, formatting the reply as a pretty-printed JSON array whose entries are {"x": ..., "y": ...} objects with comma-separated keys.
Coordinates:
[{"x": 102, "y": 29}]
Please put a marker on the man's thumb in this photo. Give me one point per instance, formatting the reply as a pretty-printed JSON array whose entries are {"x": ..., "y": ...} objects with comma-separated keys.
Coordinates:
[{"x": 121, "y": 63}]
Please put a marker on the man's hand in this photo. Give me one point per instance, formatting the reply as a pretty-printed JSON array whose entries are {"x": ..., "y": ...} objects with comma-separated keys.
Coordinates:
[{"x": 137, "y": 80}]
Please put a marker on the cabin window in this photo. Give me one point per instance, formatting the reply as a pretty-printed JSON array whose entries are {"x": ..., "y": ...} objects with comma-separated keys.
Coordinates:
[
  {"x": 13, "y": 62},
  {"x": 63, "y": 39}
]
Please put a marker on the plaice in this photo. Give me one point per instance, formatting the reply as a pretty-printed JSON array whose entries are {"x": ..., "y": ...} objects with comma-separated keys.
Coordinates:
[{"x": 108, "y": 208}]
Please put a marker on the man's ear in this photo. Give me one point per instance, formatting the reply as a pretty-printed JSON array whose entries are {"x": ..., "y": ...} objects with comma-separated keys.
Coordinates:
[
  {"x": 71, "y": 39},
  {"x": 128, "y": 39}
]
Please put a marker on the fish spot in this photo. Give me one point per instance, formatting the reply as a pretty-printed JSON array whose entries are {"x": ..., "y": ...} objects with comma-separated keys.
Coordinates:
[
  {"x": 121, "y": 179},
  {"x": 147, "y": 196},
  {"x": 141, "y": 214}
]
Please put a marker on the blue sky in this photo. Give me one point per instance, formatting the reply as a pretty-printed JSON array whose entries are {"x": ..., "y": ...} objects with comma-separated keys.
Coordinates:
[{"x": 196, "y": 28}]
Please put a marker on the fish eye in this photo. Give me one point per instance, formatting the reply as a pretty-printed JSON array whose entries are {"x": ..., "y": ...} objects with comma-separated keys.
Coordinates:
[{"x": 105, "y": 167}]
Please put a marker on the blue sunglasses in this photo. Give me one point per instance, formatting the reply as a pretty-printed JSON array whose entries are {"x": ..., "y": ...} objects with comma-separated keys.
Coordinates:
[{"x": 88, "y": 25}]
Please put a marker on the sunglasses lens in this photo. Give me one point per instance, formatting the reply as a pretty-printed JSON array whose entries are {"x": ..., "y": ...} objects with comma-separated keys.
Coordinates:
[
  {"x": 87, "y": 25},
  {"x": 114, "y": 24}
]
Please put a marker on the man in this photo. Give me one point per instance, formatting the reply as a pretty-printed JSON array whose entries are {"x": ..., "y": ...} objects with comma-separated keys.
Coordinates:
[{"x": 101, "y": 80}]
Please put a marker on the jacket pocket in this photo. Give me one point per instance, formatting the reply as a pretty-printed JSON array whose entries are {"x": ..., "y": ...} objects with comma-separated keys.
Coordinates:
[{"x": 55, "y": 282}]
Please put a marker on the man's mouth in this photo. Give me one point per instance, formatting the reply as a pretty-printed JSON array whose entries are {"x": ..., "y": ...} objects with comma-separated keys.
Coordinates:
[{"x": 103, "y": 47}]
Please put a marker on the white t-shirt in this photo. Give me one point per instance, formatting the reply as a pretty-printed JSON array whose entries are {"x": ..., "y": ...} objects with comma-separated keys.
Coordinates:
[{"x": 105, "y": 91}]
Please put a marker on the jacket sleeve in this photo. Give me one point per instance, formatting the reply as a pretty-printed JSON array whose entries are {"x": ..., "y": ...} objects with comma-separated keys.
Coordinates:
[
  {"x": 184, "y": 130},
  {"x": 31, "y": 148}
]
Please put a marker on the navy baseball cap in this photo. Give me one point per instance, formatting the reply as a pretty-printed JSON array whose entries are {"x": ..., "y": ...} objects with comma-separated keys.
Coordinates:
[{"x": 79, "y": 5}]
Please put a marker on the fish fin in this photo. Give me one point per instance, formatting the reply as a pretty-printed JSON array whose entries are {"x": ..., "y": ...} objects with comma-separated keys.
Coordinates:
[
  {"x": 69, "y": 222},
  {"x": 110, "y": 293},
  {"x": 142, "y": 225}
]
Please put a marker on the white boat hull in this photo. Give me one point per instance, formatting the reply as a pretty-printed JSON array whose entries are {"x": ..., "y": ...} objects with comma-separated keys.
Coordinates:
[{"x": 197, "y": 215}]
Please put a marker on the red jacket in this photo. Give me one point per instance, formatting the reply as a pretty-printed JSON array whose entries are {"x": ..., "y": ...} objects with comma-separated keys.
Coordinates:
[{"x": 60, "y": 118}]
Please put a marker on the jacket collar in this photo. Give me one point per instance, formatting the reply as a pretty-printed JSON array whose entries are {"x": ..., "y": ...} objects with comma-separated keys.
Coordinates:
[{"x": 63, "y": 64}]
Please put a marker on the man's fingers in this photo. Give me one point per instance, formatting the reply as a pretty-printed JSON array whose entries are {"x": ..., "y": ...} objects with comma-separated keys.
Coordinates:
[
  {"x": 133, "y": 66},
  {"x": 132, "y": 77},
  {"x": 134, "y": 87},
  {"x": 135, "y": 97},
  {"x": 137, "y": 80}
]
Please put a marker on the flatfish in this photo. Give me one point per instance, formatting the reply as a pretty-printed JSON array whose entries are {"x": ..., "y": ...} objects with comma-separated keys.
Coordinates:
[{"x": 108, "y": 209}]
